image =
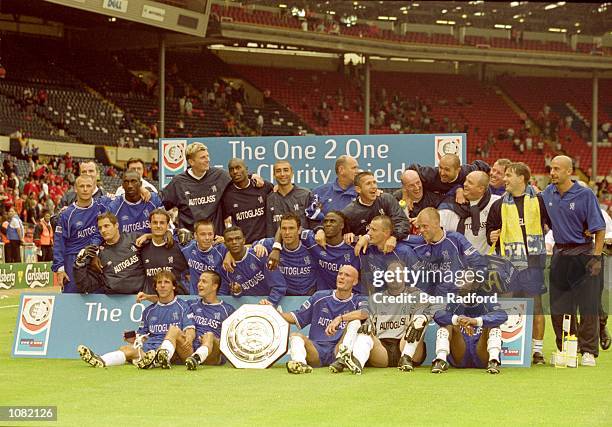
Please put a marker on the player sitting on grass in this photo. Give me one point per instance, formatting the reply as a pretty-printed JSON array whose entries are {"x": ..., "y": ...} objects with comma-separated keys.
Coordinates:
[
  {"x": 207, "y": 314},
  {"x": 470, "y": 334},
  {"x": 165, "y": 326},
  {"x": 393, "y": 335},
  {"x": 328, "y": 313}
]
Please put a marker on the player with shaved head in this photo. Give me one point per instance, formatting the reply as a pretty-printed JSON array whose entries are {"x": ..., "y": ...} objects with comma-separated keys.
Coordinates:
[
  {"x": 470, "y": 219},
  {"x": 328, "y": 313},
  {"x": 576, "y": 262}
]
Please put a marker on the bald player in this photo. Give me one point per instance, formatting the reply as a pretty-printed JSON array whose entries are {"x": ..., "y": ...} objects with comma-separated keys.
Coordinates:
[
  {"x": 576, "y": 262},
  {"x": 328, "y": 313},
  {"x": 447, "y": 259},
  {"x": 470, "y": 219},
  {"x": 449, "y": 175},
  {"x": 415, "y": 197}
]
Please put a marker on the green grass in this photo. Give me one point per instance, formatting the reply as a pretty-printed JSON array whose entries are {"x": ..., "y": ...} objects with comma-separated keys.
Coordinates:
[{"x": 223, "y": 396}]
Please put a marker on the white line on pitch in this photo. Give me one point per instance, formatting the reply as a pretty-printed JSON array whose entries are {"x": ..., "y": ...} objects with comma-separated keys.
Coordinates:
[{"x": 10, "y": 306}]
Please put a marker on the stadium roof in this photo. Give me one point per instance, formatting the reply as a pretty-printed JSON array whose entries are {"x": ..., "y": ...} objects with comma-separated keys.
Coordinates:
[{"x": 584, "y": 18}]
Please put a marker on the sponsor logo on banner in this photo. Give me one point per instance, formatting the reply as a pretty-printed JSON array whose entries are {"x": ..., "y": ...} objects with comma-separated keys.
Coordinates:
[
  {"x": 116, "y": 5},
  {"x": 448, "y": 145},
  {"x": 35, "y": 277},
  {"x": 174, "y": 155},
  {"x": 154, "y": 13},
  {"x": 34, "y": 325},
  {"x": 8, "y": 277},
  {"x": 516, "y": 348}
]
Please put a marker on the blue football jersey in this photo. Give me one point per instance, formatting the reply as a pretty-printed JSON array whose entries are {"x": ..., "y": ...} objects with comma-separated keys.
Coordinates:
[
  {"x": 441, "y": 262},
  {"x": 329, "y": 260},
  {"x": 297, "y": 267},
  {"x": 200, "y": 261},
  {"x": 157, "y": 319},
  {"x": 323, "y": 307},
  {"x": 255, "y": 279},
  {"x": 374, "y": 260},
  {"x": 134, "y": 217},
  {"x": 209, "y": 317}
]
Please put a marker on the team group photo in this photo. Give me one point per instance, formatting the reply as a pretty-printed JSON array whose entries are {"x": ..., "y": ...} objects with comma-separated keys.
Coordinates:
[{"x": 309, "y": 213}]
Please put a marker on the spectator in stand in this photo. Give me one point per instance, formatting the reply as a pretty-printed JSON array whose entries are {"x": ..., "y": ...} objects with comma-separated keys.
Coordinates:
[
  {"x": 15, "y": 234},
  {"x": 68, "y": 162},
  {"x": 154, "y": 170},
  {"x": 43, "y": 237},
  {"x": 189, "y": 107},
  {"x": 260, "y": 124},
  {"x": 153, "y": 132},
  {"x": 182, "y": 102},
  {"x": 42, "y": 97}
]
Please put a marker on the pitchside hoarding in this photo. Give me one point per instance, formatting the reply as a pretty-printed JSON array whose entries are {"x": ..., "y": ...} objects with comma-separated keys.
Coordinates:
[
  {"x": 52, "y": 326},
  {"x": 313, "y": 157},
  {"x": 25, "y": 275}
]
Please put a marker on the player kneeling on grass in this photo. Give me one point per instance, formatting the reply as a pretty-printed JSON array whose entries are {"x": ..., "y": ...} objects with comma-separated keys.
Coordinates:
[
  {"x": 393, "y": 335},
  {"x": 328, "y": 313},
  {"x": 469, "y": 336},
  {"x": 207, "y": 314},
  {"x": 164, "y": 329}
]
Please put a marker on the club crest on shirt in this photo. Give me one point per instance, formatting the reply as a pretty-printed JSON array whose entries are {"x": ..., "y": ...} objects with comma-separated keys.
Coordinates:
[
  {"x": 347, "y": 257},
  {"x": 217, "y": 316},
  {"x": 325, "y": 310},
  {"x": 146, "y": 261},
  {"x": 381, "y": 211},
  {"x": 175, "y": 316},
  {"x": 235, "y": 205},
  {"x": 260, "y": 199},
  {"x": 171, "y": 259},
  {"x": 210, "y": 259},
  {"x": 133, "y": 248},
  {"x": 153, "y": 318},
  {"x": 296, "y": 207},
  {"x": 253, "y": 267},
  {"x": 125, "y": 218},
  {"x": 213, "y": 188},
  {"x": 187, "y": 193},
  {"x": 79, "y": 223},
  {"x": 445, "y": 254},
  {"x": 571, "y": 206},
  {"x": 306, "y": 260}
]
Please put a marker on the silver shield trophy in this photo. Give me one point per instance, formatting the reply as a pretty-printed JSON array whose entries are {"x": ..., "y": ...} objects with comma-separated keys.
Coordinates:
[{"x": 254, "y": 336}]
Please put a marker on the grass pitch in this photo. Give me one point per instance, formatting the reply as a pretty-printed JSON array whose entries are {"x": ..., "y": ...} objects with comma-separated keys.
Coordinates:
[{"x": 223, "y": 396}]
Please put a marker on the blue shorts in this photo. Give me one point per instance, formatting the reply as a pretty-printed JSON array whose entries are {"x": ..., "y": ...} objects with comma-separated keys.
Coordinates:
[
  {"x": 529, "y": 282},
  {"x": 326, "y": 350},
  {"x": 151, "y": 345},
  {"x": 470, "y": 357}
]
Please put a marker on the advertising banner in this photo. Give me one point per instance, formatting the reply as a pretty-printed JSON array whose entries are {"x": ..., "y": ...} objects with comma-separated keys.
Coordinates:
[
  {"x": 57, "y": 324},
  {"x": 25, "y": 275},
  {"x": 313, "y": 157}
]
